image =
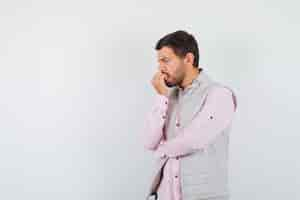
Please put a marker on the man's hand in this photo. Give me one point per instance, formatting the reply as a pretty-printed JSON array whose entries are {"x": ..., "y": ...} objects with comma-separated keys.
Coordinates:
[
  {"x": 158, "y": 82},
  {"x": 160, "y": 155}
]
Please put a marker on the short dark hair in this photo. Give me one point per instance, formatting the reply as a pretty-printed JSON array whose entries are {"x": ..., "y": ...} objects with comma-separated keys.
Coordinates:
[{"x": 181, "y": 42}]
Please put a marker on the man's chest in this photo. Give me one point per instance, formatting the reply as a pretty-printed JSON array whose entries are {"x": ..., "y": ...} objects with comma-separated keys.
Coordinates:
[{"x": 182, "y": 110}]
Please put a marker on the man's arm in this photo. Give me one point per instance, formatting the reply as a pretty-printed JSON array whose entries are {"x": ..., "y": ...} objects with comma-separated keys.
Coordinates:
[
  {"x": 155, "y": 121},
  {"x": 217, "y": 112}
]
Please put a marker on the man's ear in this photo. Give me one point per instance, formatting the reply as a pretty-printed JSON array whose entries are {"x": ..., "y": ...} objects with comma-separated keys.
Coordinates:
[{"x": 189, "y": 58}]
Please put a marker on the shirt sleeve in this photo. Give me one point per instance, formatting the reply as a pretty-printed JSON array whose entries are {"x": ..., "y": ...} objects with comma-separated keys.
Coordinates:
[
  {"x": 216, "y": 113},
  {"x": 154, "y": 124}
]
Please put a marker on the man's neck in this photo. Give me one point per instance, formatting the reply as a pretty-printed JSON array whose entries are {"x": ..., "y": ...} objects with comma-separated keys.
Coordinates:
[{"x": 190, "y": 76}]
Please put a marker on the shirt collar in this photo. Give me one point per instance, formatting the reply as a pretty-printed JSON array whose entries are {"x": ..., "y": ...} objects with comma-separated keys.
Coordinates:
[{"x": 196, "y": 81}]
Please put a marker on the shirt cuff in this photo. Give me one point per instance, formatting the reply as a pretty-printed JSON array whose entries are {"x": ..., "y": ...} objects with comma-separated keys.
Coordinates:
[{"x": 160, "y": 155}]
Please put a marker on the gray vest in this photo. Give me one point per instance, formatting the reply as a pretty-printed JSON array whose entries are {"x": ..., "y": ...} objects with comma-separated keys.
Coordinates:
[{"x": 204, "y": 172}]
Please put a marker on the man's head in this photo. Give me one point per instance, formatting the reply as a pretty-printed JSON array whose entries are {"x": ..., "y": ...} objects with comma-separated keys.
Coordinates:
[{"x": 177, "y": 54}]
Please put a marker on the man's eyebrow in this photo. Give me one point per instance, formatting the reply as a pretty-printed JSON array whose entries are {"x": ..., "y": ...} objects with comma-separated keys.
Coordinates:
[{"x": 163, "y": 57}]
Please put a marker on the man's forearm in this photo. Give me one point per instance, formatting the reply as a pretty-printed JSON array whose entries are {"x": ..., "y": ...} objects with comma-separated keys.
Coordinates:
[
  {"x": 216, "y": 114},
  {"x": 154, "y": 125}
]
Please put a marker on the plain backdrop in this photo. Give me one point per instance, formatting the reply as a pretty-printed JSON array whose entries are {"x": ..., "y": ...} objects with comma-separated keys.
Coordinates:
[{"x": 75, "y": 89}]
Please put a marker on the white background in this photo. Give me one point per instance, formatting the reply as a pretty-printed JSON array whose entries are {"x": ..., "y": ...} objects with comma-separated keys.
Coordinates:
[{"x": 75, "y": 87}]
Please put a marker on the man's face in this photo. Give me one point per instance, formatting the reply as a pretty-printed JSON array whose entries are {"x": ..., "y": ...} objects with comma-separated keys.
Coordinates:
[{"x": 171, "y": 65}]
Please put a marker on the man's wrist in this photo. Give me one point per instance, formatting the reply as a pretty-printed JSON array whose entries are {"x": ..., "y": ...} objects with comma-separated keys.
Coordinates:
[{"x": 165, "y": 92}]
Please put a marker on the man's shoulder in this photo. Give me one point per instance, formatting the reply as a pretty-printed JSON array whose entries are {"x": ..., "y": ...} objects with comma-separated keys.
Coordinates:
[
  {"x": 224, "y": 90},
  {"x": 215, "y": 85}
]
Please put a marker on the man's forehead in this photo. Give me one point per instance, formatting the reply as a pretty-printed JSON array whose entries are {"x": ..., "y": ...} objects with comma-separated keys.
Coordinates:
[{"x": 164, "y": 52}]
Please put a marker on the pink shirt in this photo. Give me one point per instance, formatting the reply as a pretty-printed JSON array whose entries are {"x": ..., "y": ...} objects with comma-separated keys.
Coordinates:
[{"x": 217, "y": 112}]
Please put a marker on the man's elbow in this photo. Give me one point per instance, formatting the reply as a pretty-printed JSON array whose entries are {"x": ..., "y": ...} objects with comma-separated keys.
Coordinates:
[{"x": 150, "y": 146}]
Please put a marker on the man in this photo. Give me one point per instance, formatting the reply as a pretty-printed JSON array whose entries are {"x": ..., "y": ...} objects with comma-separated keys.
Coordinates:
[{"x": 188, "y": 126}]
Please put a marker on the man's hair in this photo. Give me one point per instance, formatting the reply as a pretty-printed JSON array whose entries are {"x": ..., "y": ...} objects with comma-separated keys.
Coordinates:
[{"x": 181, "y": 42}]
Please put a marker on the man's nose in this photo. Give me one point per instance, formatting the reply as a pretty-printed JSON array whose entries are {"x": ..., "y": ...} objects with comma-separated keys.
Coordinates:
[{"x": 162, "y": 69}]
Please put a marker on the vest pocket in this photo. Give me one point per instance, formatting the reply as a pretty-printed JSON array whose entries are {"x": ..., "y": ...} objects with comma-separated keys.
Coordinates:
[
  {"x": 195, "y": 175},
  {"x": 195, "y": 186}
]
